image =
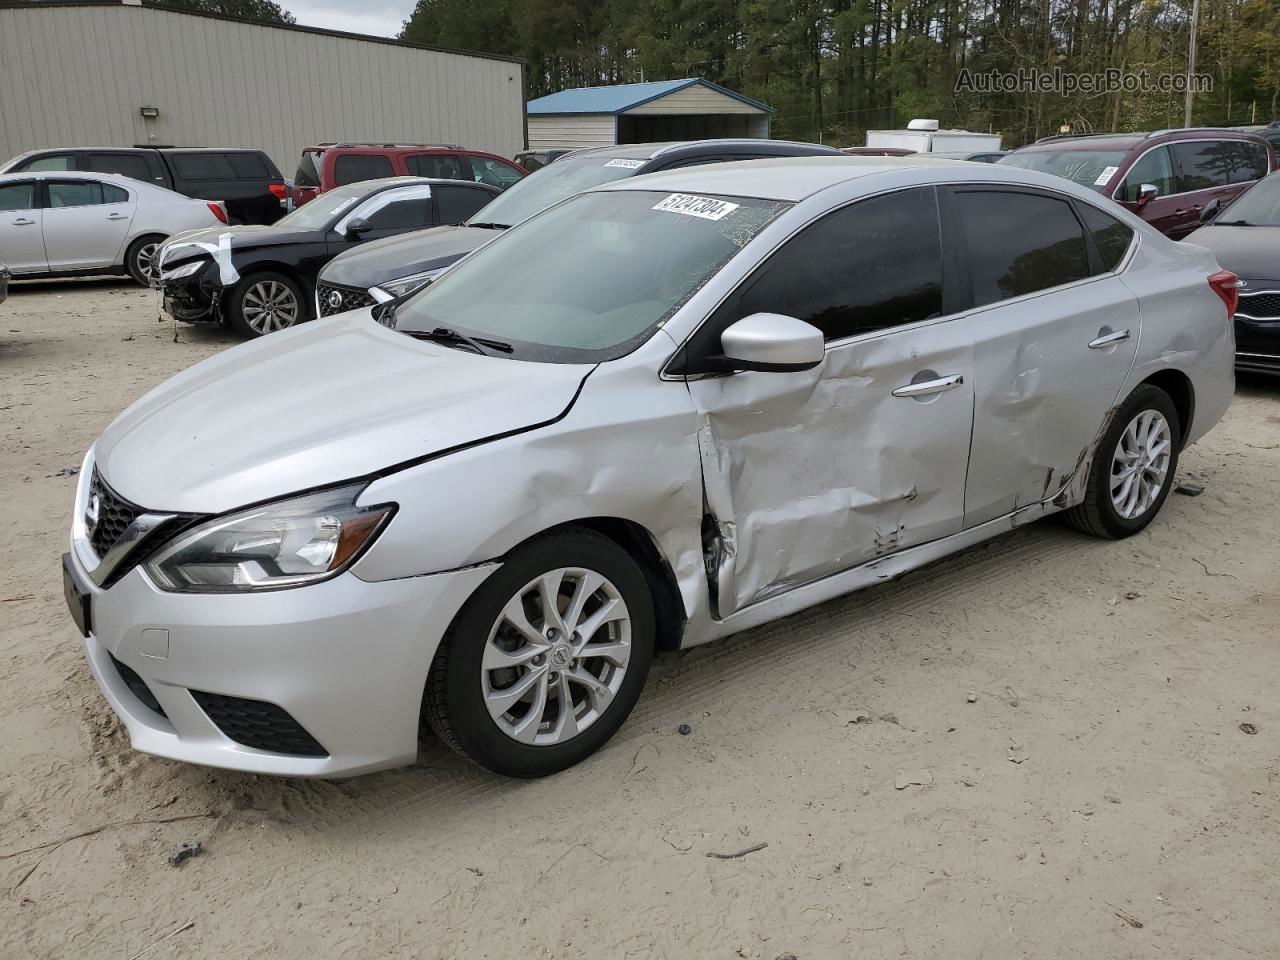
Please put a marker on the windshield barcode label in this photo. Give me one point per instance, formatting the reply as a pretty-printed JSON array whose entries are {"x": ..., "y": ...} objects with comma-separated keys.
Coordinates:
[
  {"x": 629, "y": 164},
  {"x": 703, "y": 207}
]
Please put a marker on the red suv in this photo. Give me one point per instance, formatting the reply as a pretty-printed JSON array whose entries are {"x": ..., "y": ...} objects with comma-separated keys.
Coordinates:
[
  {"x": 1167, "y": 178},
  {"x": 332, "y": 165}
]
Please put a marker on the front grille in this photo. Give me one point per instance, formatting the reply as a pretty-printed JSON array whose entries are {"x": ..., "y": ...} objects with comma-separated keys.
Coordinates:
[
  {"x": 114, "y": 515},
  {"x": 1262, "y": 305},
  {"x": 333, "y": 299},
  {"x": 138, "y": 687},
  {"x": 257, "y": 724}
]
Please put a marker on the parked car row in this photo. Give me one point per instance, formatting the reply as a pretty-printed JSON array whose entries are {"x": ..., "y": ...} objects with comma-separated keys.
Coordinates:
[{"x": 640, "y": 418}]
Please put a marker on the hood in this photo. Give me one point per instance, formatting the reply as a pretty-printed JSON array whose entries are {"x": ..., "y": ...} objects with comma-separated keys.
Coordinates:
[
  {"x": 248, "y": 237},
  {"x": 1252, "y": 253},
  {"x": 391, "y": 258},
  {"x": 329, "y": 401}
]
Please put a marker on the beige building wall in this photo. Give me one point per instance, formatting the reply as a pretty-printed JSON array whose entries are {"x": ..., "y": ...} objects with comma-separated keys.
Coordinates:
[
  {"x": 77, "y": 76},
  {"x": 571, "y": 130}
]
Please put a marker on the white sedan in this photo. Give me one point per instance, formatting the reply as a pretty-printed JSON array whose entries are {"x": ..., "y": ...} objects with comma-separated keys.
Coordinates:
[{"x": 66, "y": 224}]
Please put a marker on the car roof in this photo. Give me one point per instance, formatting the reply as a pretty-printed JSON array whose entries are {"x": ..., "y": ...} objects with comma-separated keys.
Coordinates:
[
  {"x": 115, "y": 178},
  {"x": 1127, "y": 141},
  {"x": 793, "y": 179},
  {"x": 706, "y": 148},
  {"x": 385, "y": 183}
]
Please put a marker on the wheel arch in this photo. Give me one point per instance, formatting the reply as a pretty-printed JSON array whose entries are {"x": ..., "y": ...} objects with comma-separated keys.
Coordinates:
[
  {"x": 136, "y": 241},
  {"x": 1180, "y": 390}
]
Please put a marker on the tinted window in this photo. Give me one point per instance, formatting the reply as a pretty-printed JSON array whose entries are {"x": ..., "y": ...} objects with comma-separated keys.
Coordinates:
[
  {"x": 872, "y": 265},
  {"x": 307, "y": 175},
  {"x": 248, "y": 166},
  {"x": 1258, "y": 206},
  {"x": 202, "y": 166},
  {"x": 1203, "y": 165},
  {"x": 401, "y": 214},
  {"x": 113, "y": 194},
  {"x": 125, "y": 164},
  {"x": 1154, "y": 168},
  {"x": 1111, "y": 236},
  {"x": 456, "y": 204},
  {"x": 437, "y": 165},
  {"x": 61, "y": 161},
  {"x": 1019, "y": 243},
  {"x": 354, "y": 167},
  {"x": 17, "y": 196},
  {"x": 497, "y": 173},
  {"x": 77, "y": 193}
]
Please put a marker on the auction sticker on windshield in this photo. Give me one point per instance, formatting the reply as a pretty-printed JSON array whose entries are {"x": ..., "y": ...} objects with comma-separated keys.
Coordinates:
[
  {"x": 691, "y": 206},
  {"x": 629, "y": 164}
]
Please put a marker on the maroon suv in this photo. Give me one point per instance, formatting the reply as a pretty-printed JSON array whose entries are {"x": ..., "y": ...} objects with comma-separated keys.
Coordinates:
[
  {"x": 330, "y": 165},
  {"x": 1167, "y": 177}
]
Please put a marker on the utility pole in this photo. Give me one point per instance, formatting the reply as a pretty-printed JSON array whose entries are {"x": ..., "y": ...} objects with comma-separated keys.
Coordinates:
[{"x": 1191, "y": 61}]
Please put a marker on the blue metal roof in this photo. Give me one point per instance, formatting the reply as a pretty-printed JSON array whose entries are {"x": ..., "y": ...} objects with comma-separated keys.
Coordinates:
[{"x": 622, "y": 97}]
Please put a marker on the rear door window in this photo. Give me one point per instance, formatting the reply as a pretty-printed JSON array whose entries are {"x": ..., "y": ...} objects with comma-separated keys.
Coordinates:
[
  {"x": 202, "y": 166},
  {"x": 1110, "y": 235},
  {"x": 439, "y": 165},
  {"x": 74, "y": 193},
  {"x": 1019, "y": 243},
  {"x": 126, "y": 164},
  {"x": 248, "y": 166},
  {"x": 113, "y": 194},
  {"x": 458, "y": 204},
  {"x": 1154, "y": 168},
  {"x": 18, "y": 196},
  {"x": 354, "y": 167},
  {"x": 308, "y": 174},
  {"x": 57, "y": 161},
  {"x": 869, "y": 266},
  {"x": 1206, "y": 164}
]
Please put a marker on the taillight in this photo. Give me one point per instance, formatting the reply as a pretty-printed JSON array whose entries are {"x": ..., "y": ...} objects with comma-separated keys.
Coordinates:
[
  {"x": 218, "y": 211},
  {"x": 1226, "y": 285},
  {"x": 279, "y": 189}
]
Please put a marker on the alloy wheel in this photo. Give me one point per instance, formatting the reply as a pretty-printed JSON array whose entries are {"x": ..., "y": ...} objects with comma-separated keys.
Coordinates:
[
  {"x": 556, "y": 656},
  {"x": 269, "y": 305},
  {"x": 146, "y": 263},
  {"x": 1140, "y": 464}
]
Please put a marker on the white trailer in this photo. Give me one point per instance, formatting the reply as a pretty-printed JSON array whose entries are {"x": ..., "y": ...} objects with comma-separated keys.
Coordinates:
[{"x": 923, "y": 136}]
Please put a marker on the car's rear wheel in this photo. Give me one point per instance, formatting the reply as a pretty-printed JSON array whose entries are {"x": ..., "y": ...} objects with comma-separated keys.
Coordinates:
[
  {"x": 547, "y": 659},
  {"x": 140, "y": 260},
  {"x": 1134, "y": 467},
  {"x": 265, "y": 302}
]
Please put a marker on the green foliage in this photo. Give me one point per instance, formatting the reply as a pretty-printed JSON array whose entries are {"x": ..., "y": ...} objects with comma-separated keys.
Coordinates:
[
  {"x": 261, "y": 10},
  {"x": 835, "y": 68}
]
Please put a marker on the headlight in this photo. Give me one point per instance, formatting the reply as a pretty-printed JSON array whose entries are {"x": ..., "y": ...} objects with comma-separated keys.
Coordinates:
[
  {"x": 407, "y": 285},
  {"x": 284, "y": 544},
  {"x": 186, "y": 270}
]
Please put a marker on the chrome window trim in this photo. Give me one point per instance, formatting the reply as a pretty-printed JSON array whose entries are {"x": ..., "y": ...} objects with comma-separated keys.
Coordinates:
[{"x": 1184, "y": 193}]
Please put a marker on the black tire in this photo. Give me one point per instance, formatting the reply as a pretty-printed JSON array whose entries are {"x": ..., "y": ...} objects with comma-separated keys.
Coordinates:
[
  {"x": 241, "y": 300},
  {"x": 454, "y": 699},
  {"x": 139, "y": 255},
  {"x": 1097, "y": 514}
]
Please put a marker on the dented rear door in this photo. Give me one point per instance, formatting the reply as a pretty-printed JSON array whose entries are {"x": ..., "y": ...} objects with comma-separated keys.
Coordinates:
[{"x": 807, "y": 474}]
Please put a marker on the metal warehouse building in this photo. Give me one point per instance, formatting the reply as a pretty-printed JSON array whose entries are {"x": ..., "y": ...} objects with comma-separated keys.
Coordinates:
[
  {"x": 688, "y": 109},
  {"x": 120, "y": 74}
]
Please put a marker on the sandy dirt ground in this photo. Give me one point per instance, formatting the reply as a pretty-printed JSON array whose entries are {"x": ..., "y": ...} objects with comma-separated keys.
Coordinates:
[{"x": 1034, "y": 749}]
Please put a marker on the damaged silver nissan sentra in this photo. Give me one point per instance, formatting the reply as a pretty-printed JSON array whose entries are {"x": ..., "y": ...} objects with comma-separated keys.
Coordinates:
[{"x": 661, "y": 411}]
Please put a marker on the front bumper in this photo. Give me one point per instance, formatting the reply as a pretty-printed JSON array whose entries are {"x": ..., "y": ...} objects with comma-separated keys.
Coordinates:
[
  {"x": 346, "y": 659},
  {"x": 1257, "y": 344},
  {"x": 191, "y": 299}
]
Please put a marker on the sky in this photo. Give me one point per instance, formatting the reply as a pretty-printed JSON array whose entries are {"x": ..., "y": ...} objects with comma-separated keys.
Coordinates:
[{"x": 380, "y": 18}]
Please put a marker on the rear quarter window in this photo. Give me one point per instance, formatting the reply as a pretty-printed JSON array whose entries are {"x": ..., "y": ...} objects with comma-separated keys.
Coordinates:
[
  {"x": 202, "y": 166},
  {"x": 126, "y": 164},
  {"x": 354, "y": 167},
  {"x": 1110, "y": 235}
]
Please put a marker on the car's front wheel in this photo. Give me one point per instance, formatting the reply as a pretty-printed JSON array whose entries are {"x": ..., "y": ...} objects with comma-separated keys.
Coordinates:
[
  {"x": 547, "y": 659},
  {"x": 1134, "y": 466},
  {"x": 265, "y": 302}
]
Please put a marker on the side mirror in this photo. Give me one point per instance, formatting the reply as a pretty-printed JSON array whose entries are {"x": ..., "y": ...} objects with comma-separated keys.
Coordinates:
[
  {"x": 357, "y": 228},
  {"x": 1210, "y": 211},
  {"x": 1146, "y": 193},
  {"x": 772, "y": 342}
]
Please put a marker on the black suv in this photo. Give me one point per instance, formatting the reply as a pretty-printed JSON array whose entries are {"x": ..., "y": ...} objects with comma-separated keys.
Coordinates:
[
  {"x": 246, "y": 181},
  {"x": 389, "y": 269}
]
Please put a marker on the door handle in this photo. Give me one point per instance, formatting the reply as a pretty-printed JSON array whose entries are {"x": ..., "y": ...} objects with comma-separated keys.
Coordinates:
[
  {"x": 927, "y": 387},
  {"x": 1104, "y": 340},
  {"x": 117, "y": 216},
  {"x": 23, "y": 222}
]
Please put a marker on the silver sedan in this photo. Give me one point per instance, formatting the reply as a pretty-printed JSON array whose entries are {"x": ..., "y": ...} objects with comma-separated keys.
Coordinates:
[{"x": 660, "y": 412}]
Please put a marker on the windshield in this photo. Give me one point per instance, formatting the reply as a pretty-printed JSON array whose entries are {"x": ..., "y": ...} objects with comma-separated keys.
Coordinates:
[
  {"x": 591, "y": 279},
  {"x": 316, "y": 214},
  {"x": 1091, "y": 168},
  {"x": 1258, "y": 206},
  {"x": 561, "y": 179}
]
